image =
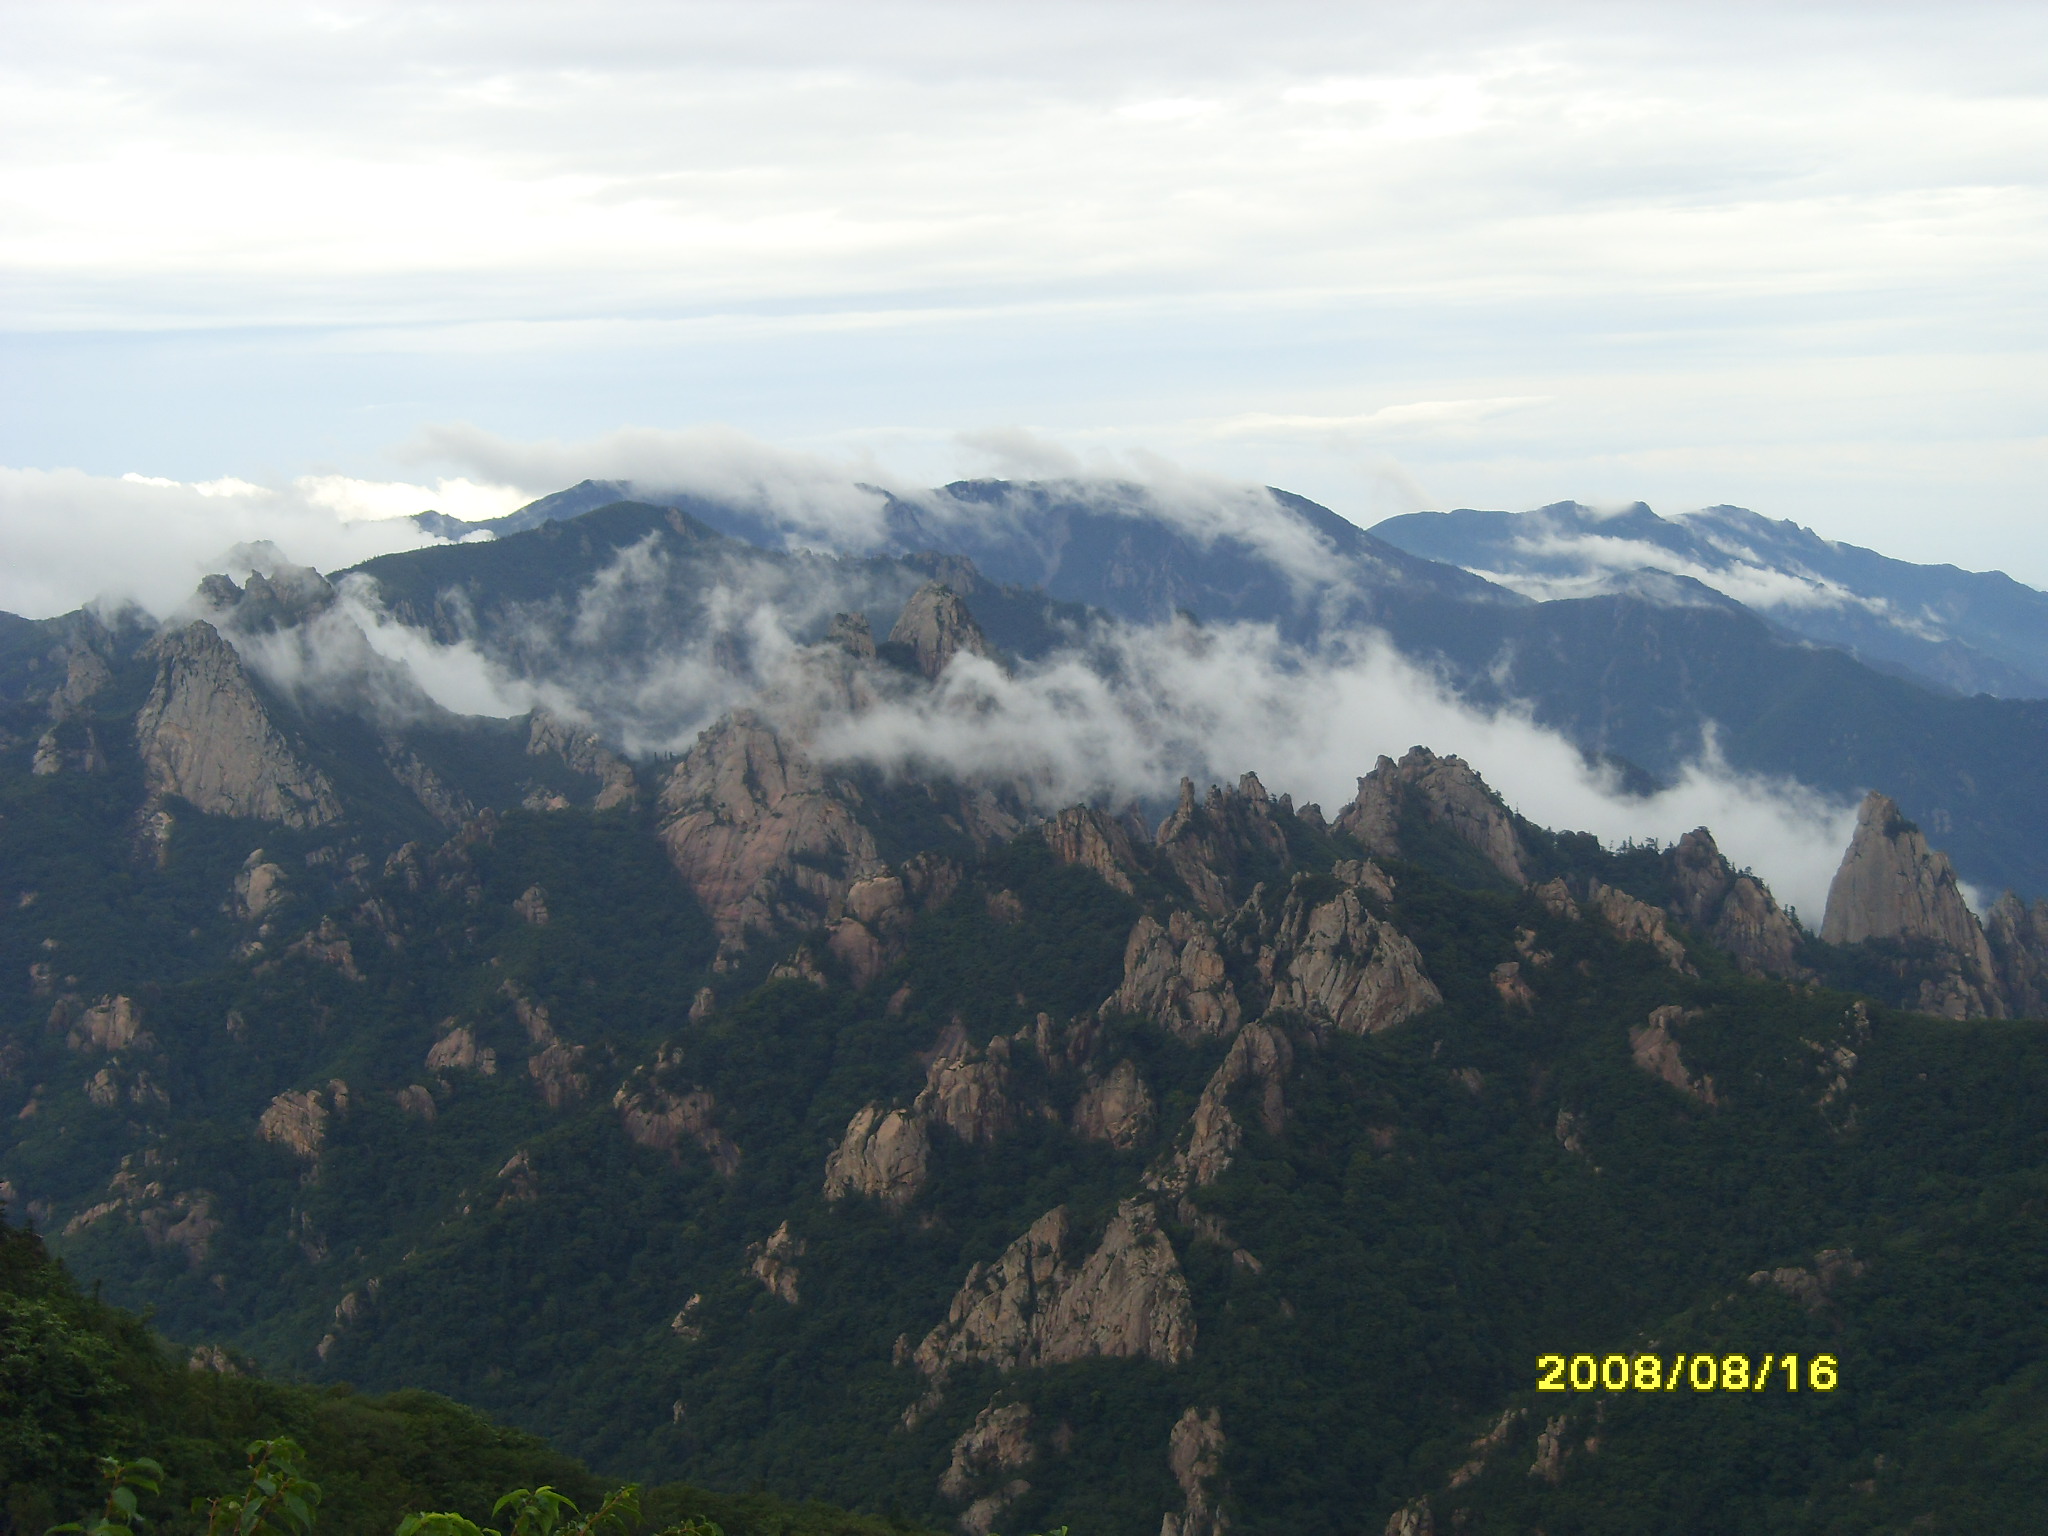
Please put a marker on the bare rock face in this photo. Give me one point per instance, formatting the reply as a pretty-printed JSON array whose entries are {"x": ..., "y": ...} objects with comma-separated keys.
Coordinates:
[
  {"x": 998, "y": 1441},
  {"x": 1411, "y": 1519},
  {"x": 759, "y": 833},
  {"x": 658, "y": 1117},
  {"x": 2018, "y": 936},
  {"x": 1441, "y": 790},
  {"x": 1637, "y": 922},
  {"x": 968, "y": 1092},
  {"x": 1734, "y": 912},
  {"x": 851, "y": 634},
  {"x": 937, "y": 626},
  {"x": 1215, "y": 846},
  {"x": 868, "y": 934},
  {"x": 1893, "y": 886},
  {"x": 457, "y": 1050},
  {"x": 111, "y": 1024},
  {"x": 1176, "y": 976},
  {"x": 773, "y": 1263},
  {"x": 327, "y": 944},
  {"x": 532, "y": 906},
  {"x": 1083, "y": 835},
  {"x": 586, "y": 753},
  {"x": 1259, "y": 1054},
  {"x": 205, "y": 736},
  {"x": 259, "y": 887},
  {"x": 1337, "y": 964},
  {"x": 884, "y": 1155},
  {"x": 1033, "y": 1306},
  {"x": 1655, "y": 1051},
  {"x": 1116, "y": 1108},
  {"x": 1814, "y": 1288},
  {"x": 1194, "y": 1450},
  {"x": 296, "y": 1122},
  {"x": 554, "y": 1064}
]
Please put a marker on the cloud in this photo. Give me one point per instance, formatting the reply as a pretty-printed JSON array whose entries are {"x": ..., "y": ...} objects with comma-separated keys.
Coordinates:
[
  {"x": 818, "y": 500},
  {"x": 368, "y": 500},
  {"x": 73, "y": 537},
  {"x": 1154, "y": 704}
]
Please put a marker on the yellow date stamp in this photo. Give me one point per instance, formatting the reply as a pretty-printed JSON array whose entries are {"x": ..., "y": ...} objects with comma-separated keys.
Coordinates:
[{"x": 1687, "y": 1373}]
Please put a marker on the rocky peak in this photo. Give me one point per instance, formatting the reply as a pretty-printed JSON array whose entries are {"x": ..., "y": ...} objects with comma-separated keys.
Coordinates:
[
  {"x": 1892, "y": 885},
  {"x": 1194, "y": 1451},
  {"x": 1033, "y": 1306},
  {"x": 850, "y": 632},
  {"x": 759, "y": 833},
  {"x": 1336, "y": 964},
  {"x": 885, "y": 1155},
  {"x": 2018, "y": 936},
  {"x": 1734, "y": 911},
  {"x": 1226, "y": 843},
  {"x": 937, "y": 626},
  {"x": 1443, "y": 791},
  {"x": 1080, "y": 834},
  {"x": 207, "y": 737},
  {"x": 1175, "y": 974},
  {"x": 585, "y": 753},
  {"x": 288, "y": 595}
]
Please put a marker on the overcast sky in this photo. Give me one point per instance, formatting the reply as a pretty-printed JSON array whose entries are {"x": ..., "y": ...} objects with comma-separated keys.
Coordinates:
[{"x": 1392, "y": 256}]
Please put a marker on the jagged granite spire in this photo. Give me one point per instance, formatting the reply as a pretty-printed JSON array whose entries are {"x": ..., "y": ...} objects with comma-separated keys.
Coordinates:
[
  {"x": 937, "y": 626},
  {"x": 1892, "y": 885}
]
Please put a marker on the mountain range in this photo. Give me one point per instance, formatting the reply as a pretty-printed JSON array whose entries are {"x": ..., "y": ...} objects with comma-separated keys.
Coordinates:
[{"x": 718, "y": 1059}]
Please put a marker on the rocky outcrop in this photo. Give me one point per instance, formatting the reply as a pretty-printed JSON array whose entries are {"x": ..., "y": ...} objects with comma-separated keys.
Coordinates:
[
  {"x": 1116, "y": 1108},
  {"x": 773, "y": 1263},
  {"x": 1637, "y": 922},
  {"x": 936, "y": 626},
  {"x": 1814, "y": 1288},
  {"x": 326, "y": 944},
  {"x": 1334, "y": 963},
  {"x": 532, "y": 906},
  {"x": 884, "y": 1155},
  {"x": 873, "y": 919},
  {"x": 968, "y": 1091},
  {"x": 1175, "y": 976},
  {"x": 206, "y": 737},
  {"x": 1082, "y": 835},
  {"x": 458, "y": 1051},
  {"x": 298, "y": 1121},
  {"x": 2018, "y": 936},
  {"x": 1893, "y": 886},
  {"x": 998, "y": 1441},
  {"x": 1033, "y": 1306},
  {"x": 1443, "y": 791},
  {"x": 1194, "y": 1450},
  {"x": 1734, "y": 912},
  {"x": 759, "y": 833},
  {"x": 111, "y": 1024},
  {"x": 584, "y": 752},
  {"x": 1222, "y": 846},
  {"x": 656, "y": 1116},
  {"x": 259, "y": 887},
  {"x": 555, "y": 1064},
  {"x": 1655, "y": 1050},
  {"x": 1259, "y": 1055}
]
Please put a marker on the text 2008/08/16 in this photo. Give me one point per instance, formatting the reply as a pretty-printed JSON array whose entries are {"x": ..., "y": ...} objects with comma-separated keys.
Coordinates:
[{"x": 1696, "y": 1373}]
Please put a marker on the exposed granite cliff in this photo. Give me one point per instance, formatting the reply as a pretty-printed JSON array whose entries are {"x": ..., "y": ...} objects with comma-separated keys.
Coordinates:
[
  {"x": 1337, "y": 964},
  {"x": 1176, "y": 976},
  {"x": 885, "y": 1155},
  {"x": 1893, "y": 886},
  {"x": 1443, "y": 791},
  {"x": 1034, "y": 1306},
  {"x": 1194, "y": 1450},
  {"x": 762, "y": 835},
  {"x": 1735, "y": 912},
  {"x": 936, "y": 626},
  {"x": 207, "y": 737},
  {"x": 1223, "y": 845}
]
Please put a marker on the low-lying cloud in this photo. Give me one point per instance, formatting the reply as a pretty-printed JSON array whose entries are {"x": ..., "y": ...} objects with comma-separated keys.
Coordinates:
[{"x": 74, "y": 537}]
